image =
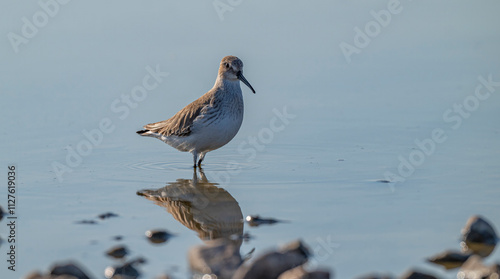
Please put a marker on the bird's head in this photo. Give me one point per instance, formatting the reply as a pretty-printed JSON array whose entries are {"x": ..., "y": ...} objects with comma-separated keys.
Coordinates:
[{"x": 231, "y": 68}]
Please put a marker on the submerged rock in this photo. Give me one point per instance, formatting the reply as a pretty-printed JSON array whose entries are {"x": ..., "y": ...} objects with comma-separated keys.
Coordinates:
[
  {"x": 219, "y": 257},
  {"x": 449, "y": 259},
  {"x": 300, "y": 273},
  {"x": 121, "y": 272},
  {"x": 2, "y": 213},
  {"x": 60, "y": 271},
  {"x": 125, "y": 271},
  {"x": 86, "y": 222},
  {"x": 474, "y": 268},
  {"x": 413, "y": 274},
  {"x": 158, "y": 236},
  {"x": 256, "y": 220},
  {"x": 383, "y": 181},
  {"x": 272, "y": 264},
  {"x": 478, "y": 237},
  {"x": 107, "y": 215},
  {"x": 118, "y": 237},
  {"x": 117, "y": 252},
  {"x": 35, "y": 275},
  {"x": 375, "y": 276},
  {"x": 68, "y": 269}
]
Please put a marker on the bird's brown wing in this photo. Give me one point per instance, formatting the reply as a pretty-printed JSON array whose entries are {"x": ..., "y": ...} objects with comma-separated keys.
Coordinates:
[{"x": 181, "y": 123}]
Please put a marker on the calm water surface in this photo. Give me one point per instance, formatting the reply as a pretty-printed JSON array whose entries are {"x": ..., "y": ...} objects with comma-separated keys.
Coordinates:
[{"x": 327, "y": 187}]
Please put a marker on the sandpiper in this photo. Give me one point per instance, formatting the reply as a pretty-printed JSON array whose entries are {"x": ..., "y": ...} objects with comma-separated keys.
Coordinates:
[{"x": 209, "y": 122}]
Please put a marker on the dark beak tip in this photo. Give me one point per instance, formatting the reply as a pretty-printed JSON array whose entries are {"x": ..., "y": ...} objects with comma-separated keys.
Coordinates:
[{"x": 245, "y": 81}]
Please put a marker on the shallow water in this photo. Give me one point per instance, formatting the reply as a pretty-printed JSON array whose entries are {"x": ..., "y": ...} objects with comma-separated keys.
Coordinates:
[
  {"x": 334, "y": 201},
  {"x": 323, "y": 170}
]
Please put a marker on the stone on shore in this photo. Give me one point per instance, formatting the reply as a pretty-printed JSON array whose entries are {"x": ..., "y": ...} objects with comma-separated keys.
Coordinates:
[{"x": 478, "y": 237}]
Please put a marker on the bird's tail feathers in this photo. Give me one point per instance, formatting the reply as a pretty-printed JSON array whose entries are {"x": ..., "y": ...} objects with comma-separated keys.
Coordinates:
[{"x": 144, "y": 132}]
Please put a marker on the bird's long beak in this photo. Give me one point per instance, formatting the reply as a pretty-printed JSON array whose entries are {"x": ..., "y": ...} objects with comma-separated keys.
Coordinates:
[{"x": 245, "y": 81}]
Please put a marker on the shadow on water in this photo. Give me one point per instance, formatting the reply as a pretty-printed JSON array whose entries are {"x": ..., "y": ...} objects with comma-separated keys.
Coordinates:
[{"x": 201, "y": 206}]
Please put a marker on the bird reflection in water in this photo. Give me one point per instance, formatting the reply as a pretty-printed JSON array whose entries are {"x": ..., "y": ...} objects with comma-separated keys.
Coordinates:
[{"x": 201, "y": 206}]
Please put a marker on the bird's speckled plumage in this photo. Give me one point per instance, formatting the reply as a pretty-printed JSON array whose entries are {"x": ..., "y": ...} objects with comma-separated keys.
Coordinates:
[{"x": 209, "y": 122}]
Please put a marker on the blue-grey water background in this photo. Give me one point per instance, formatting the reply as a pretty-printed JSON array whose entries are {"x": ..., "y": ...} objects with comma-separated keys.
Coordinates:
[{"x": 321, "y": 170}]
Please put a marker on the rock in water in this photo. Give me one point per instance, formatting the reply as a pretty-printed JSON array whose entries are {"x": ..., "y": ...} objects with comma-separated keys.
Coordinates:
[
  {"x": 68, "y": 269},
  {"x": 375, "y": 276},
  {"x": 300, "y": 273},
  {"x": 474, "y": 268},
  {"x": 256, "y": 220},
  {"x": 413, "y": 274},
  {"x": 125, "y": 271},
  {"x": 117, "y": 252},
  {"x": 107, "y": 215},
  {"x": 478, "y": 237},
  {"x": 272, "y": 264},
  {"x": 35, "y": 275},
  {"x": 158, "y": 236},
  {"x": 2, "y": 213},
  {"x": 449, "y": 259}
]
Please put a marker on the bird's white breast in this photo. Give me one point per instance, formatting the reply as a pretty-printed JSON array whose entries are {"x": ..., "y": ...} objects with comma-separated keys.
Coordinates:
[{"x": 221, "y": 122}]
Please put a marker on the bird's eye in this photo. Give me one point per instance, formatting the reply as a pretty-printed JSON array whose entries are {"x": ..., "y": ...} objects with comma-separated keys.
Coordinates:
[{"x": 227, "y": 65}]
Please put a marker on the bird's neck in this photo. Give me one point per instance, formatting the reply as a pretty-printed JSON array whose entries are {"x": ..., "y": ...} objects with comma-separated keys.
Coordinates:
[{"x": 227, "y": 85}]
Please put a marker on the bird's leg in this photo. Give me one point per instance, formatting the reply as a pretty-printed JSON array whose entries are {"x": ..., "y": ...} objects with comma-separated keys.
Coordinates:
[
  {"x": 202, "y": 156},
  {"x": 195, "y": 157}
]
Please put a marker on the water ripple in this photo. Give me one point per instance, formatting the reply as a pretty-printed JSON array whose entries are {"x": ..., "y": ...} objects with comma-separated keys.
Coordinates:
[{"x": 213, "y": 166}]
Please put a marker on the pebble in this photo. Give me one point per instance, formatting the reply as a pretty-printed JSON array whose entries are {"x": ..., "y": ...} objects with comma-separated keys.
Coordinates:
[
  {"x": 60, "y": 271},
  {"x": 107, "y": 215},
  {"x": 375, "y": 276},
  {"x": 474, "y": 268},
  {"x": 68, "y": 269},
  {"x": 478, "y": 236},
  {"x": 86, "y": 222},
  {"x": 449, "y": 259},
  {"x": 256, "y": 220},
  {"x": 414, "y": 274},
  {"x": 300, "y": 273},
  {"x": 117, "y": 252},
  {"x": 125, "y": 271},
  {"x": 274, "y": 263},
  {"x": 117, "y": 237},
  {"x": 158, "y": 236},
  {"x": 2, "y": 213}
]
